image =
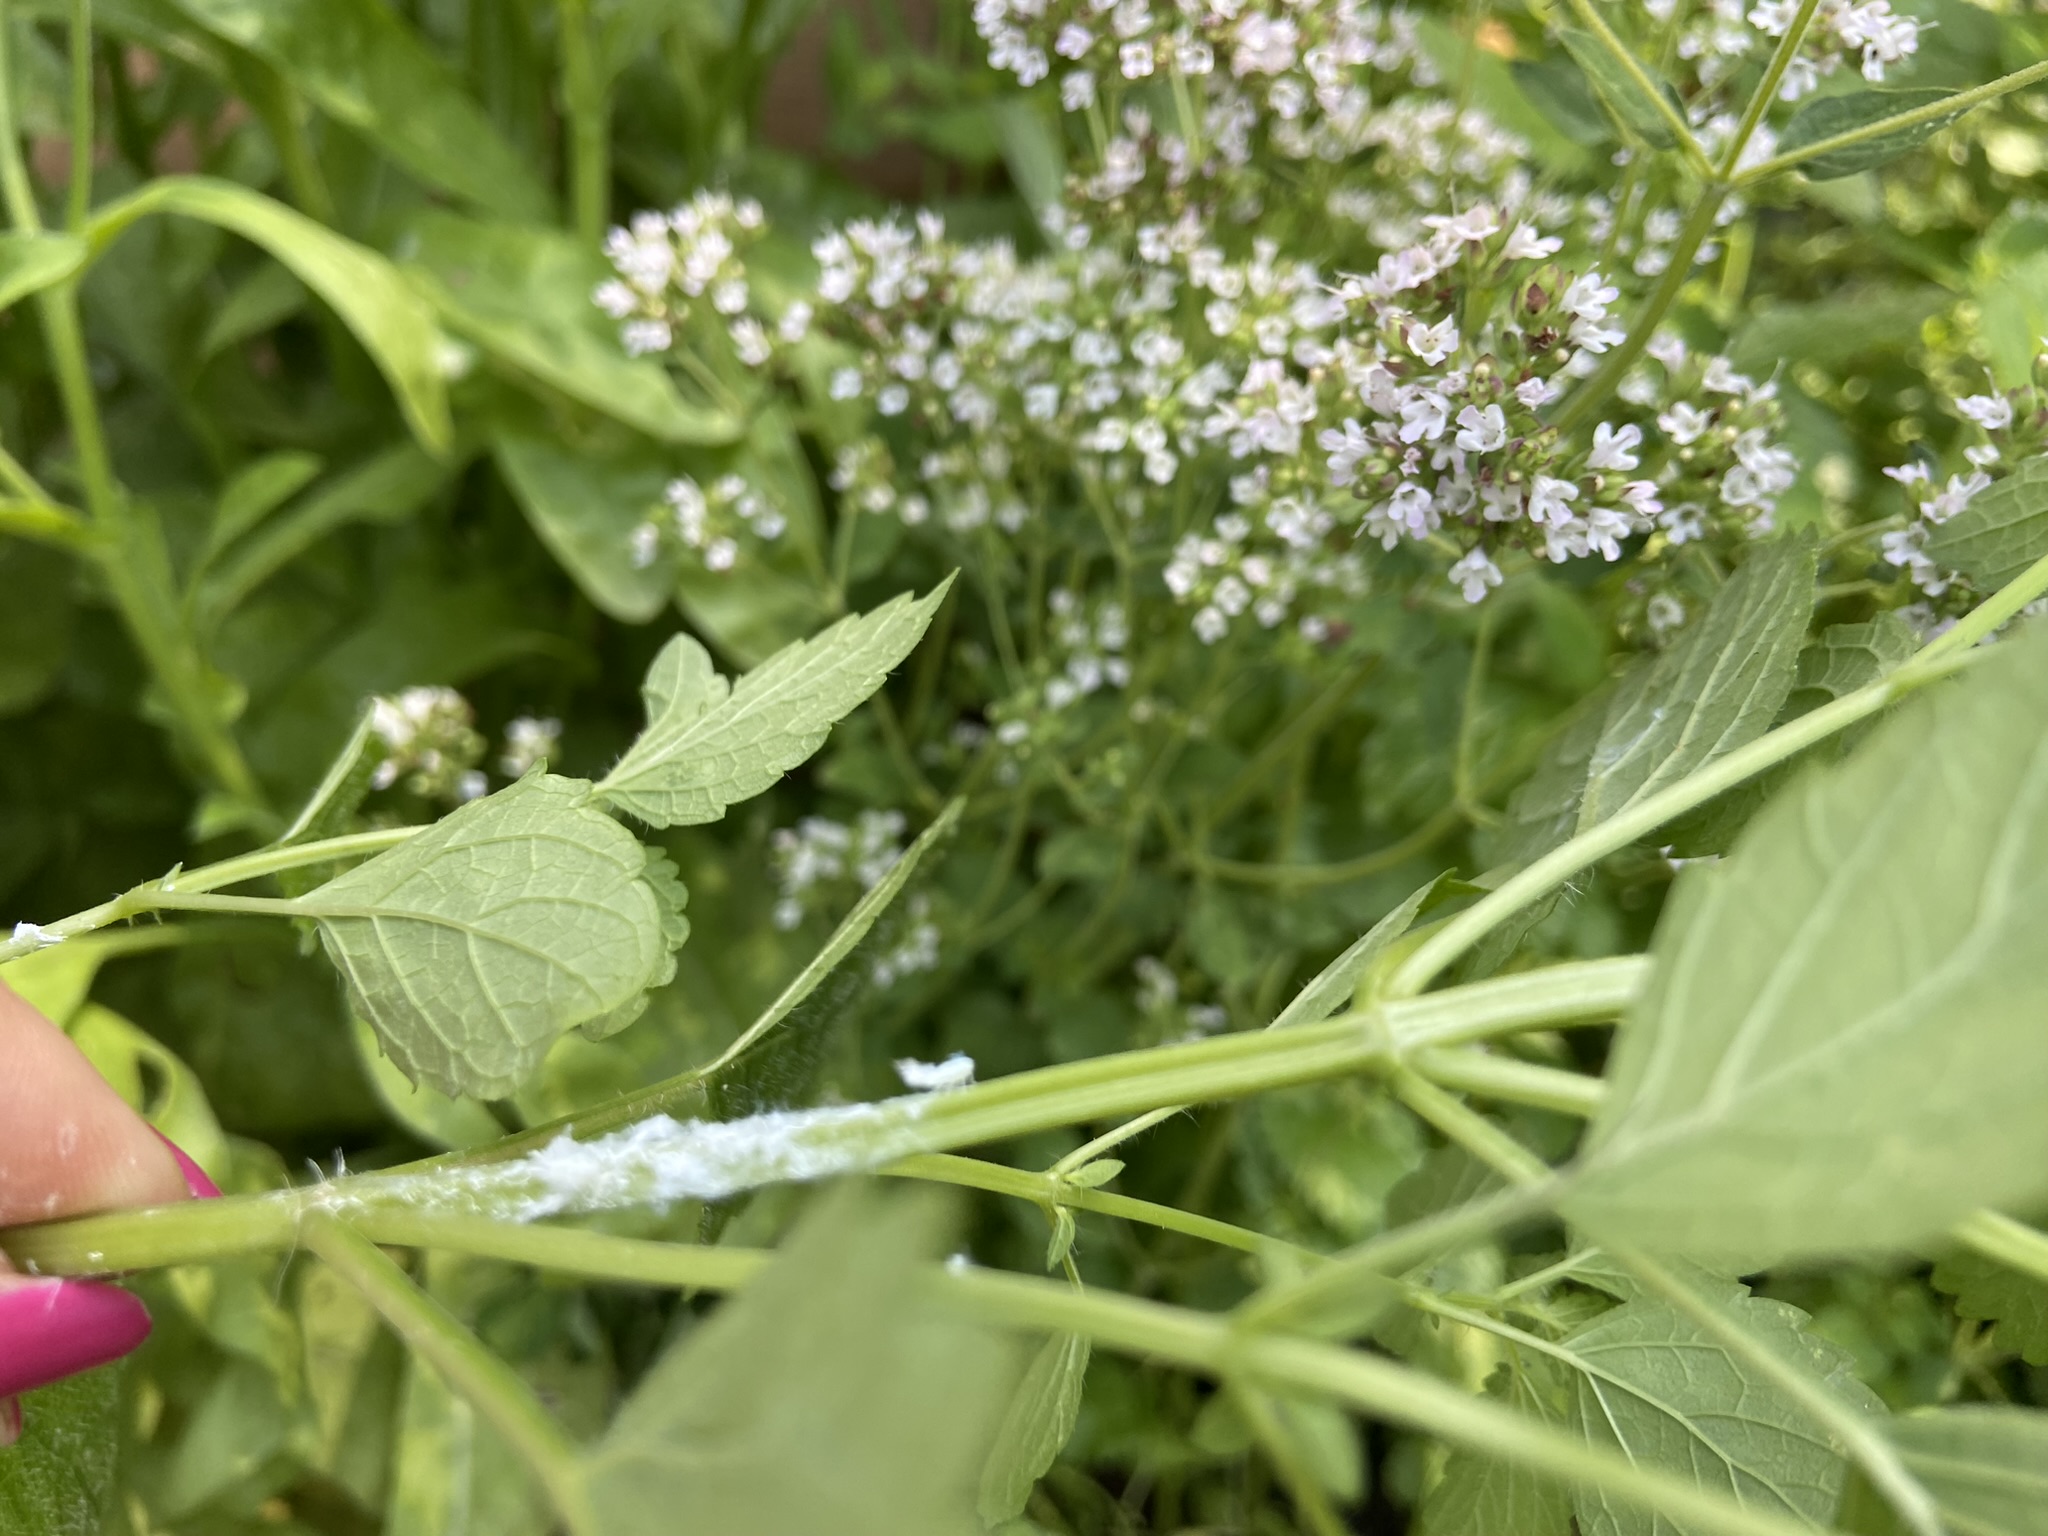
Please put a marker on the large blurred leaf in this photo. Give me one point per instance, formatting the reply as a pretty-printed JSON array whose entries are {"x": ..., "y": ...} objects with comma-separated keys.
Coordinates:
[
  {"x": 523, "y": 295},
  {"x": 1986, "y": 1466},
  {"x": 585, "y": 507},
  {"x": 1656, "y": 1387},
  {"x": 394, "y": 324},
  {"x": 829, "y": 1396},
  {"x": 1841, "y": 1047},
  {"x": 472, "y": 946},
  {"x": 2001, "y": 532},
  {"x": 363, "y": 66},
  {"x": 58, "y": 1480},
  {"x": 710, "y": 742}
]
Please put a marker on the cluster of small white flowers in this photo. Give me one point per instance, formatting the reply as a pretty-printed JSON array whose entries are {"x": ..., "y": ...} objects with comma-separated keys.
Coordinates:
[
  {"x": 915, "y": 950},
  {"x": 430, "y": 741},
  {"x": 528, "y": 740},
  {"x": 818, "y": 851},
  {"x": 2009, "y": 426},
  {"x": 668, "y": 262},
  {"x": 1719, "y": 36},
  {"x": 711, "y": 521},
  {"x": 1088, "y": 651}
]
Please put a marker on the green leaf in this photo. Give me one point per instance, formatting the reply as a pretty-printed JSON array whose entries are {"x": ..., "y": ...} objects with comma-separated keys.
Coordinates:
[
  {"x": 2001, "y": 532},
  {"x": 392, "y": 321},
  {"x": 35, "y": 623},
  {"x": 1987, "y": 1468},
  {"x": 1484, "y": 1496},
  {"x": 31, "y": 263},
  {"x": 255, "y": 491},
  {"x": 1841, "y": 1048},
  {"x": 1619, "y": 89},
  {"x": 1827, "y": 116},
  {"x": 709, "y": 743},
  {"x": 1987, "y": 1291},
  {"x": 436, "y": 1119},
  {"x": 472, "y": 946},
  {"x": 1037, "y": 1427},
  {"x": 363, "y": 67},
  {"x": 1718, "y": 688},
  {"x": 1656, "y": 1387},
  {"x": 523, "y": 295},
  {"x": 1847, "y": 657},
  {"x": 58, "y": 1479},
  {"x": 1335, "y": 984},
  {"x": 585, "y": 507},
  {"x": 829, "y": 1396},
  {"x": 157, "y": 1084}
]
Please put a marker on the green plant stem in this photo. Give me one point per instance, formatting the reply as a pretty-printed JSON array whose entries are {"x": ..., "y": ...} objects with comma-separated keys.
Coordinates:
[
  {"x": 1419, "y": 841},
  {"x": 1511, "y": 1081},
  {"x": 2009, "y": 1242},
  {"x": 588, "y": 114},
  {"x": 1580, "y": 405},
  {"x": 1310, "y": 1501},
  {"x": 78, "y": 198},
  {"x": 1589, "y": 16},
  {"x": 1767, "y": 88},
  {"x": 1856, "y": 1434},
  {"x": 490, "y": 1386},
  {"x": 46, "y": 523},
  {"x": 130, "y": 545},
  {"x": 1464, "y": 1127},
  {"x": 1933, "y": 112},
  {"x": 176, "y": 892}
]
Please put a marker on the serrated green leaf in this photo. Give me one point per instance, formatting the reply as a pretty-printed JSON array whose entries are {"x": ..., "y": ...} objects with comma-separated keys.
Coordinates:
[
  {"x": 710, "y": 743},
  {"x": 1618, "y": 88},
  {"x": 1987, "y": 1468},
  {"x": 1719, "y": 687},
  {"x": 1037, "y": 1427},
  {"x": 827, "y": 1397},
  {"x": 1841, "y": 1046},
  {"x": 1656, "y": 1387},
  {"x": 1826, "y": 116},
  {"x": 31, "y": 263},
  {"x": 522, "y": 293},
  {"x": 472, "y": 946},
  {"x": 1336, "y": 982},
  {"x": 2001, "y": 532},
  {"x": 365, "y": 68},
  {"x": 1484, "y": 1496},
  {"x": 1847, "y": 657},
  {"x": 395, "y": 325},
  {"x": 58, "y": 1479},
  {"x": 1987, "y": 1291}
]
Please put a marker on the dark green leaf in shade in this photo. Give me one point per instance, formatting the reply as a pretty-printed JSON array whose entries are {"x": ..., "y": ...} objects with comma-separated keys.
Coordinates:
[
  {"x": 829, "y": 1396},
  {"x": 1841, "y": 1048},
  {"x": 1826, "y": 116},
  {"x": 584, "y": 507},
  {"x": 1619, "y": 89}
]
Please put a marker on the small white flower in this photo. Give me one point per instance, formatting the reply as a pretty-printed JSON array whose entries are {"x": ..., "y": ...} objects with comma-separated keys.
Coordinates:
[
  {"x": 1613, "y": 449},
  {"x": 1432, "y": 343},
  {"x": 1991, "y": 412},
  {"x": 1475, "y": 575},
  {"x": 1134, "y": 60},
  {"x": 1482, "y": 431}
]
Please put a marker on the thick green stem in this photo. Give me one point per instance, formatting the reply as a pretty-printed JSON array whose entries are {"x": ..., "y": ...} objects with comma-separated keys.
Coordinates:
[
  {"x": 1767, "y": 88},
  {"x": 588, "y": 114},
  {"x": 2011, "y": 1243},
  {"x": 1933, "y": 112},
  {"x": 489, "y": 1385},
  {"x": 1511, "y": 1081}
]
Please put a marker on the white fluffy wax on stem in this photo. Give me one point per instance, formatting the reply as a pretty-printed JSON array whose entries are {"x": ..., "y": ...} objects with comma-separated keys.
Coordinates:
[{"x": 660, "y": 1161}]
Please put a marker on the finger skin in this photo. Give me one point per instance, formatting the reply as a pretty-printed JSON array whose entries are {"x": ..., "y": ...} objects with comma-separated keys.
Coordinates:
[{"x": 68, "y": 1144}]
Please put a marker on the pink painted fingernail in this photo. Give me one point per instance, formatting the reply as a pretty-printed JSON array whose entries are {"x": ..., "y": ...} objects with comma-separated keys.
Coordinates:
[
  {"x": 196, "y": 1180},
  {"x": 50, "y": 1329},
  {"x": 10, "y": 1421}
]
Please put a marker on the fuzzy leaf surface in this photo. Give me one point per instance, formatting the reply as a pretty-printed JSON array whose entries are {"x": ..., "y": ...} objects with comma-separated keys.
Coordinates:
[
  {"x": 58, "y": 1479},
  {"x": 827, "y": 1397},
  {"x": 1841, "y": 1046},
  {"x": 2001, "y": 532},
  {"x": 710, "y": 742},
  {"x": 1657, "y": 1388},
  {"x": 472, "y": 946},
  {"x": 1037, "y": 1427}
]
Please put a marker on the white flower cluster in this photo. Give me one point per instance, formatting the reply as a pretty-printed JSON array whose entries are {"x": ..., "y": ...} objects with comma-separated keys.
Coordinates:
[
  {"x": 528, "y": 740},
  {"x": 711, "y": 521},
  {"x": 1159, "y": 1000},
  {"x": 430, "y": 741},
  {"x": 1088, "y": 650},
  {"x": 668, "y": 262},
  {"x": 818, "y": 851},
  {"x": 916, "y": 949},
  {"x": 1719, "y": 36},
  {"x": 2008, "y": 426}
]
